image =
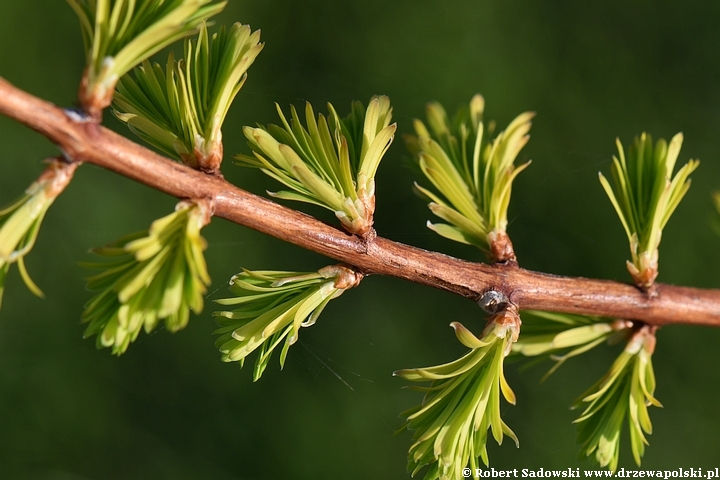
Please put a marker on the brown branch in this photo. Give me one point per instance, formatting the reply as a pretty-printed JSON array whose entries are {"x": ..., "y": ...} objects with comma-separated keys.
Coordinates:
[{"x": 89, "y": 142}]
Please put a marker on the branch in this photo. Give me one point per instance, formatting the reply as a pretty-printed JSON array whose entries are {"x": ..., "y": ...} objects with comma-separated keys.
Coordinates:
[{"x": 91, "y": 143}]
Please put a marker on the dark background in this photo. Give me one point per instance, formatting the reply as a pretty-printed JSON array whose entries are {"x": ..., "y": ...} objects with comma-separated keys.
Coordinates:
[{"x": 169, "y": 408}]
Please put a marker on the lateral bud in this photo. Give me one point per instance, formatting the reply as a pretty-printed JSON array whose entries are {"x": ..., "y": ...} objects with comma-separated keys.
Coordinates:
[
  {"x": 506, "y": 320},
  {"x": 501, "y": 248},
  {"x": 345, "y": 277},
  {"x": 206, "y": 207},
  {"x": 97, "y": 89},
  {"x": 56, "y": 177},
  {"x": 644, "y": 277},
  {"x": 493, "y": 301}
]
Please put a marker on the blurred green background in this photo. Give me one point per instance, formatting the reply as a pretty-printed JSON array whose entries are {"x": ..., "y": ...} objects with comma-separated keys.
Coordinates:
[{"x": 169, "y": 408}]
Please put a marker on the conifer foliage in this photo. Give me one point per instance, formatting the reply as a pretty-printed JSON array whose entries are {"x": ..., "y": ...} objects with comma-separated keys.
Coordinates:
[{"x": 159, "y": 276}]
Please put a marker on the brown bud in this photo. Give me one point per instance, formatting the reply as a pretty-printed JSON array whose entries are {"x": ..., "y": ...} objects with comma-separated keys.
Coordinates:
[
  {"x": 57, "y": 176},
  {"x": 96, "y": 97},
  {"x": 501, "y": 248},
  {"x": 345, "y": 277}
]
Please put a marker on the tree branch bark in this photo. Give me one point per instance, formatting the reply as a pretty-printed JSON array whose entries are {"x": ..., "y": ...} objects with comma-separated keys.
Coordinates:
[{"x": 88, "y": 142}]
